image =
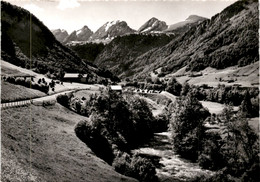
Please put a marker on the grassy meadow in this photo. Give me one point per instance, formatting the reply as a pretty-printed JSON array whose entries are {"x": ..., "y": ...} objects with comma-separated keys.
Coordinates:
[
  {"x": 39, "y": 144},
  {"x": 11, "y": 92}
]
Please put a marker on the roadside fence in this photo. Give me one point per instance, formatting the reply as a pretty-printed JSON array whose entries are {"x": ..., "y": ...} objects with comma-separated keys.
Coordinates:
[{"x": 15, "y": 104}]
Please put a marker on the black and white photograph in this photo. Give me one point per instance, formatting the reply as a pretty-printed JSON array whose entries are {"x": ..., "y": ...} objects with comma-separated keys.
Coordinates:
[{"x": 130, "y": 90}]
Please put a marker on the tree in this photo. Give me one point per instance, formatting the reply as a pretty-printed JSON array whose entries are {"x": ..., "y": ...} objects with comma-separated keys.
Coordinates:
[
  {"x": 157, "y": 80},
  {"x": 142, "y": 118},
  {"x": 185, "y": 89},
  {"x": 63, "y": 100},
  {"x": 240, "y": 146},
  {"x": 186, "y": 124},
  {"x": 173, "y": 86},
  {"x": 246, "y": 106},
  {"x": 80, "y": 76},
  {"x": 148, "y": 80},
  {"x": 61, "y": 74}
]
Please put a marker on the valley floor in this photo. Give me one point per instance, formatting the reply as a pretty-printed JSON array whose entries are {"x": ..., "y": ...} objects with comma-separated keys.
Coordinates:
[{"x": 39, "y": 144}]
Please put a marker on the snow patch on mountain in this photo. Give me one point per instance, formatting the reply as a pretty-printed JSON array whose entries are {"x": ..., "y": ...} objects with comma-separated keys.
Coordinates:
[
  {"x": 147, "y": 29},
  {"x": 109, "y": 24},
  {"x": 78, "y": 32}
]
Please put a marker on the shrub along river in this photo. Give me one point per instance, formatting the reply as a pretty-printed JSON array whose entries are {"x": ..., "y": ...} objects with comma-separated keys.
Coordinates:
[{"x": 170, "y": 166}]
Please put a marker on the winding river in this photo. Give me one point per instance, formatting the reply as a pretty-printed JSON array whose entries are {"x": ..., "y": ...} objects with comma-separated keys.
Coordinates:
[{"x": 170, "y": 167}]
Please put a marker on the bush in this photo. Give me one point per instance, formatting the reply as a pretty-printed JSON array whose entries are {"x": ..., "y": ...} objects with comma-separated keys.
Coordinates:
[
  {"x": 29, "y": 83},
  {"x": 210, "y": 157},
  {"x": 91, "y": 134},
  {"x": 143, "y": 169},
  {"x": 63, "y": 100},
  {"x": 136, "y": 167},
  {"x": 121, "y": 164},
  {"x": 10, "y": 79},
  {"x": 19, "y": 81},
  {"x": 160, "y": 123}
]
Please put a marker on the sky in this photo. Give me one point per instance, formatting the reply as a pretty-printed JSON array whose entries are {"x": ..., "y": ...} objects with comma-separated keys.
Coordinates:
[{"x": 74, "y": 14}]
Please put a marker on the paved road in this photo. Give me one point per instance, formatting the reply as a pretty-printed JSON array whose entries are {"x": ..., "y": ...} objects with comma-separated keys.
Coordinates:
[{"x": 39, "y": 101}]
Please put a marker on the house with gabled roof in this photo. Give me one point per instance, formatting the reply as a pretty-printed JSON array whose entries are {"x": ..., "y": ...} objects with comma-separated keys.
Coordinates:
[
  {"x": 75, "y": 77},
  {"x": 115, "y": 88}
]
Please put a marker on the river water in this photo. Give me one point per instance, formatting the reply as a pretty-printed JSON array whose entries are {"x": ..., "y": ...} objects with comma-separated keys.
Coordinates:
[{"x": 170, "y": 167}]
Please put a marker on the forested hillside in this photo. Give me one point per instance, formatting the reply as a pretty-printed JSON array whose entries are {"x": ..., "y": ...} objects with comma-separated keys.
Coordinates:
[
  {"x": 27, "y": 42},
  {"x": 120, "y": 54},
  {"x": 228, "y": 38}
]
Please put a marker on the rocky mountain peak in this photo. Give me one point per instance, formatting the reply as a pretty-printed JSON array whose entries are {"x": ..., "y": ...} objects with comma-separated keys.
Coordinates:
[
  {"x": 111, "y": 30},
  {"x": 60, "y": 34},
  {"x": 153, "y": 25}
]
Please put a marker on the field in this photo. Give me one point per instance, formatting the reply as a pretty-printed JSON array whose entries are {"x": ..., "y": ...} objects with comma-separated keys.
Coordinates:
[
  {"x": 247, "y": 76},
  {"x": 85, "y": 93},
  {"x": 11, "y": 92},
  {"x": 39, "y": 144}
]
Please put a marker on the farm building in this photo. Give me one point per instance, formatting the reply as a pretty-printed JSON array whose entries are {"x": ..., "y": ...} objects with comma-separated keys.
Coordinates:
[
  {"x": 75, "y": 77},
  {"x": 115, "y": 88}
]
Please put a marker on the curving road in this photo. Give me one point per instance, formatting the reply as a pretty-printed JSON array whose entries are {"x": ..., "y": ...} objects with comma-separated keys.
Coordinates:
[{"x": 40, "y": 100}]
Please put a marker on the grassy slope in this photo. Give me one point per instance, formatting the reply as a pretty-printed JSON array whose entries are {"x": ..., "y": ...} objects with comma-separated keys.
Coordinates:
[
  {"x": 247, "y": 76},
  {"x": 10, "y": 69},
  {"x": 12, "y": 92},
  {"x": 85, "y": 93},
  {"x": 41, "y": 141}
]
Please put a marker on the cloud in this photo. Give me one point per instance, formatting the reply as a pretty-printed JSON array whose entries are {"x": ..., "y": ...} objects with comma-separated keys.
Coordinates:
[
  {"x": 66, "y": 4},
  {"x": 33, "y": 8}
]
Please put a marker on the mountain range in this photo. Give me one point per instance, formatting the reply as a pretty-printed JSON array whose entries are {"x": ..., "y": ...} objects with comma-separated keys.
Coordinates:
[
  {"x": 82, "y": 34},
  {"x": 229, "y": 38},
  {"x": 112, "y": 29},
  {"x": 31, "y": 44}
]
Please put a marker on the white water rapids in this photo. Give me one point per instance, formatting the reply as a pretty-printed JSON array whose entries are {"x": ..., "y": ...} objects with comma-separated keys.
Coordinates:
[{"x": 170, "y": 166}]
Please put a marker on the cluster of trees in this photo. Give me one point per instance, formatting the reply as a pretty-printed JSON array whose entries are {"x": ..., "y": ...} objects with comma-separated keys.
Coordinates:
[
  {"x": 186, "y": 124},
  {"x": 171, "y": 85},
  {"x": 233, "y": 151},
  {"x": 229, "y": 95},
  {"x": 29, "y": 83},
  {"x": 115, "y": 126},
  {"x": 232, "y": 95}
]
